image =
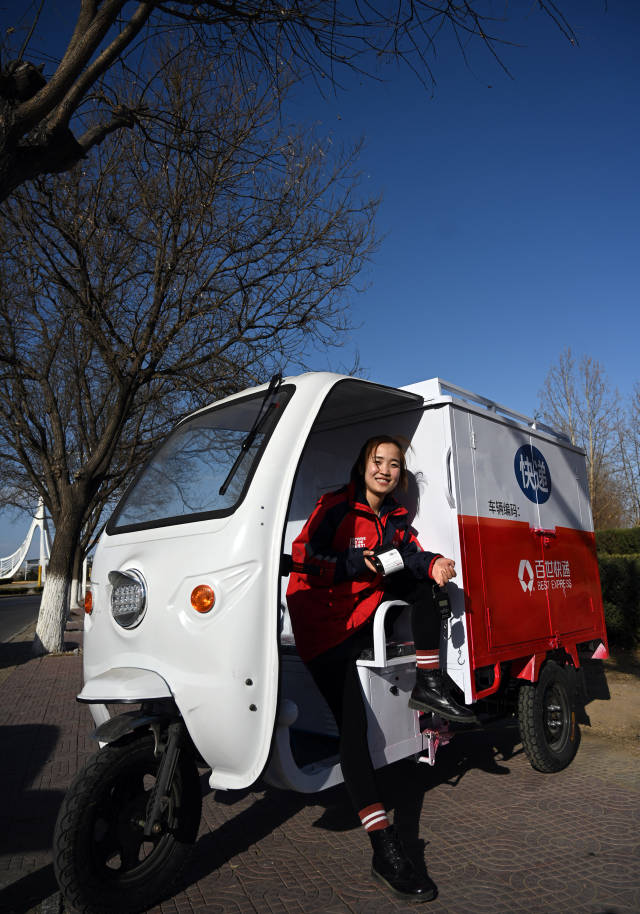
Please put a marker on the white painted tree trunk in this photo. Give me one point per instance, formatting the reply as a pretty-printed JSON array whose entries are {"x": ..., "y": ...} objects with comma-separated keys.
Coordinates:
[
  {"x": 54, "y": 607},
  {"x": 49, "y": 635},
  {"x": 74, "y": 593}
]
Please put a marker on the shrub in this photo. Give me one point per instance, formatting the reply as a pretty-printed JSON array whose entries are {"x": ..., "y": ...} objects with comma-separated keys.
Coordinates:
[
  {"x": 620, "y": 579},
  {"x": 618, "y": 542}
]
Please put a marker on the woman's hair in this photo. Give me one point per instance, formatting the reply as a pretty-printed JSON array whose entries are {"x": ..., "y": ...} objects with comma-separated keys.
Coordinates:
[{"x": 368, "y": 448}]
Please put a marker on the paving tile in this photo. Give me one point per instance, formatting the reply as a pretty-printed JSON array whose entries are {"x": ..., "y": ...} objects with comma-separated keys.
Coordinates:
[{"x": 498, "y": 837}]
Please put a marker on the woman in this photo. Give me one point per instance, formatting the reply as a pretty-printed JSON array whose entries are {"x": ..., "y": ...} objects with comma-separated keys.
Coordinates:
[{"x": 332, "y": 596}]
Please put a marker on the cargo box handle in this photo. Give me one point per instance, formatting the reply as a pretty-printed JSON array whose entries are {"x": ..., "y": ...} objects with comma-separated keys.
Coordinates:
[{"x": 447, "y": 469}]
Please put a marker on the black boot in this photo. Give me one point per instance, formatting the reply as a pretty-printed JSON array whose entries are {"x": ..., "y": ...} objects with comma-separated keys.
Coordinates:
[
  {"x": 431, "y": 693},
  {"x": 391, "y": 865}
]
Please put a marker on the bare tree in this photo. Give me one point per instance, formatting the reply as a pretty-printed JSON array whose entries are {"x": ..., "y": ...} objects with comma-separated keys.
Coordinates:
[
  {"x": 42, "y": 119},
  {"x": 577, "y": 400},
  {"x": 628, "y": 441},
  {"x": 183, "y": 263}
]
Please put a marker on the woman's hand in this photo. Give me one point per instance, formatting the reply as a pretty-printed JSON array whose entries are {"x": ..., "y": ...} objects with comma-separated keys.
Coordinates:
[
  {"x": 443, "y": 570},
  {"x": 367, "y": 561}
]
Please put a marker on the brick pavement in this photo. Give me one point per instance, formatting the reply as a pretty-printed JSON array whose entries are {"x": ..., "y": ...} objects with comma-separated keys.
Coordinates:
[{"x": 499, "y": 837}]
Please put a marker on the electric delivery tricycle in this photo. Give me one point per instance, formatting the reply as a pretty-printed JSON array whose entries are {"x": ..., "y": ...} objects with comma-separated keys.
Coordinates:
[{"x": 187, "y": 624}]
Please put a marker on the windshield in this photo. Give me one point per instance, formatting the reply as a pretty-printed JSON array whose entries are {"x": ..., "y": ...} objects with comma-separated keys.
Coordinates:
[{"x": 184, "y": 477}]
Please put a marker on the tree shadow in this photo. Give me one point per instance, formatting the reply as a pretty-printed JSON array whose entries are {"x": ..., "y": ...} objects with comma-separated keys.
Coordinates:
[
  {"x": 17, "y": 653},
  {"x": 14, "y": 653},
  {"x": 27, "y": 815}
]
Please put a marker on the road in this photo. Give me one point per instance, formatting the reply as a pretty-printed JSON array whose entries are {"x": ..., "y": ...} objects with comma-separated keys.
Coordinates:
[{"x": 16, "y": 612}]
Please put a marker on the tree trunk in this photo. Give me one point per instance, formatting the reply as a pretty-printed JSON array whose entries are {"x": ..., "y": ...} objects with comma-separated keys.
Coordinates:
[
  {"x": 54, "y": 607},
  {"x": 75, "y": 597}
]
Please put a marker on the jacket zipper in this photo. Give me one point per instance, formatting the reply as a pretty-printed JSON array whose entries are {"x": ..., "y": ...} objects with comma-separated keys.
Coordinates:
[{"x": 366, "y": 511}]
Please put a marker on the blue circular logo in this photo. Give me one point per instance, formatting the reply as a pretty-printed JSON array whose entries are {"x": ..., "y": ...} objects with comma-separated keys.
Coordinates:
[{"x": 532, "y": 473}]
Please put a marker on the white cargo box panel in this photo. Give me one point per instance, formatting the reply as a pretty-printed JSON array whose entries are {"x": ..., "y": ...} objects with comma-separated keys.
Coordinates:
[{"x": 509, "y": 500}]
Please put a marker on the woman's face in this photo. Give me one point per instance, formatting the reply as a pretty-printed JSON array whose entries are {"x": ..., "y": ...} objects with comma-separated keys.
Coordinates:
[{"x": 382, "y": 470}]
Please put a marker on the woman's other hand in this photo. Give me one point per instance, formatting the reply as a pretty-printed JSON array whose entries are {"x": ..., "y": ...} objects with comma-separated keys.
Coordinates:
[{"x": 443, "y": 570}]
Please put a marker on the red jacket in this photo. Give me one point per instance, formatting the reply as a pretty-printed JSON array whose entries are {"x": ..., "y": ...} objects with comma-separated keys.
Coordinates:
[{"x": 331, "y": 591}]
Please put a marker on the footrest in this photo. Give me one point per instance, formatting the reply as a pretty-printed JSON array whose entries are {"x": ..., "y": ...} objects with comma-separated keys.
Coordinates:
[{"x": 436, "y": 735}]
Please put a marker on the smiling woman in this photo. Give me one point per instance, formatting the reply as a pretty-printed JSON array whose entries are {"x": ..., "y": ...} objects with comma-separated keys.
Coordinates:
[
  {"x": 336, "y": 586},
  {"x": 384, "y": 469}
]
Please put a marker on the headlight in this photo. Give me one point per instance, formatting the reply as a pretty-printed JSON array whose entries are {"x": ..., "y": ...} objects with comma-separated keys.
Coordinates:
[{"x": 128, "y": 597}]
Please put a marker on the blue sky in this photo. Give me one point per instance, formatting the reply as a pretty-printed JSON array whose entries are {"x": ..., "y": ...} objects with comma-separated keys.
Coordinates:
[
  {"x": 510, "y": 210},
  {"x": 510, "y": 213}
]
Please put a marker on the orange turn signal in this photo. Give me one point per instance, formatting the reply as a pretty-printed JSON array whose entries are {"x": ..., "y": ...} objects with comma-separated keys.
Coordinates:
[
  {"x": 88, "y": 602},
  {"x": 202, "y": 598}
]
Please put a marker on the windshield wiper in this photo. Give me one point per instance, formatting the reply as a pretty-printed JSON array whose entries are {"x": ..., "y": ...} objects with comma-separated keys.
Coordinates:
[{"x": 258, "y": 424}]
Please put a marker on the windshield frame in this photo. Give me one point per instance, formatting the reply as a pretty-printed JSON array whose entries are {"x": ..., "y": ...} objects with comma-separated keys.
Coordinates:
[{"x": 283, "y": 394}]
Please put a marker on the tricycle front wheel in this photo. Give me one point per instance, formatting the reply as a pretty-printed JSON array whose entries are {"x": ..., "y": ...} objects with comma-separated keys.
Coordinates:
[
  {"x": 548, "y": 728},
  {"x": 103, "y": 861}
]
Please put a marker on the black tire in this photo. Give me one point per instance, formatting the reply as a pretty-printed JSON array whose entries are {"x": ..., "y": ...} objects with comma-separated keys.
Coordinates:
[
  {"x": 548, "y": 728},
  {"x": 102, "y": 860}
]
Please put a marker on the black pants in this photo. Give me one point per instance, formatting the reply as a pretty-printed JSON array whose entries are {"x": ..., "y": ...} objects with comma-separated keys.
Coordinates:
[{"x": 336, "y": 675}]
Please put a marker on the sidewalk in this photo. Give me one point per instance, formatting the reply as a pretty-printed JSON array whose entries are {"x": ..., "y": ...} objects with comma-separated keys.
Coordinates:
[{"x": 499, "y": 837}]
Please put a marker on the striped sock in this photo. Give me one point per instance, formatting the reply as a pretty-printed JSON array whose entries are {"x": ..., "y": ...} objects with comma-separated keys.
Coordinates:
[
  {"x": 428, "y": 660},
  {"x": 374, "y": 817}
]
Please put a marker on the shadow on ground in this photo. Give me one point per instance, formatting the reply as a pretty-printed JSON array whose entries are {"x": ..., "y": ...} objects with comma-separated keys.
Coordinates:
[
  {"x": 15, "y": 653},
  {"x": 27, "y": 816},
  {"x": 403, "y": 787},
  {"x": 31, "y": 812},
  {"x": 30, "y": 891}
]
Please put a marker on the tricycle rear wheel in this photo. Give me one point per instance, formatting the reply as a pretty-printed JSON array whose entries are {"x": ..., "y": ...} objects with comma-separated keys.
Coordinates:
[
  {"x": 548, "y": 728},
  {"x": 103, "y": 861}
]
